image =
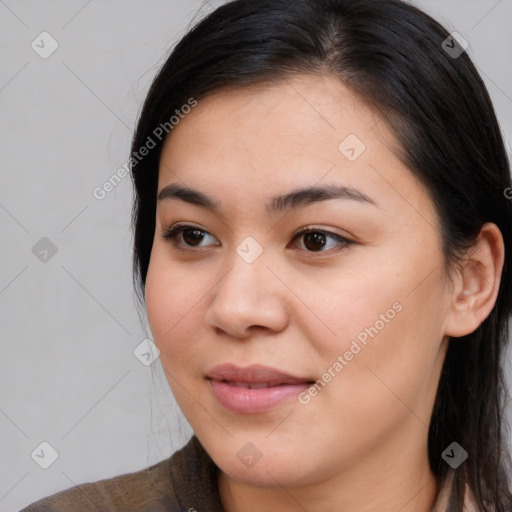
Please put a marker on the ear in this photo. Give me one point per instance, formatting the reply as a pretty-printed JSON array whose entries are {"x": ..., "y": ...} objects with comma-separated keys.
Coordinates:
[{"x": 477, "y": 284}]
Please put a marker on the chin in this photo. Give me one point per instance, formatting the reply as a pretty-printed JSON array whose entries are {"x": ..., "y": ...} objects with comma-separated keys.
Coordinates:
[
  {"x": 270, "y": 471},
  {"x": 262, "y": 475}
]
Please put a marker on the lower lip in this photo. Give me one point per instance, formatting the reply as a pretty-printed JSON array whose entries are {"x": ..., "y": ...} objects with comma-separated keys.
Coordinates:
[{"x": 252, "y": 401}]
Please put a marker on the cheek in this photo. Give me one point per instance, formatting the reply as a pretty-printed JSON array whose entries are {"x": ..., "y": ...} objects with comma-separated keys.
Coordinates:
[
  {"x": 175, "y": 302},
  {"x": 355, "y": 305},
  {"x": 172, "y": 304},
  {"x": 173, "y": 307},
  {"x": 161, "y": 302},
  {"x": 390, "y": 357},
  {"x": 388, "y": 321}
]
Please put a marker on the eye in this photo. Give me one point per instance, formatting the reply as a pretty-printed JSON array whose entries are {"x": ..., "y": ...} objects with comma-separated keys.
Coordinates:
[
  {"x": 183, "y": 236},
  {"x": 314, "y": 240},
  {"x": 317, "y": 240}
]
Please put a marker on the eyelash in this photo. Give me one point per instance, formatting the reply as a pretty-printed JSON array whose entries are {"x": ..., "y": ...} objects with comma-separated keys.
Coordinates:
[{"x": 172, "y": 233}]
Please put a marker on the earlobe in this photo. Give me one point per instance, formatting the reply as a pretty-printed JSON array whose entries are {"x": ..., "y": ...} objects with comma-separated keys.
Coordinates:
[{"x": 478, "y": 282}]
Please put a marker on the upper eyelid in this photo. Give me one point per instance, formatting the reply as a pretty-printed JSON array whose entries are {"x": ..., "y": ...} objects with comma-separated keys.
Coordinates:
[{"x": 297, "y": 232}]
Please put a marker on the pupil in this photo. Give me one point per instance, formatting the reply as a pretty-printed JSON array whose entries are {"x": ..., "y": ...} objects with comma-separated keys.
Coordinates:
[
  {"x": 314, "y": 241},
  {"x": 192, "y": 235}
]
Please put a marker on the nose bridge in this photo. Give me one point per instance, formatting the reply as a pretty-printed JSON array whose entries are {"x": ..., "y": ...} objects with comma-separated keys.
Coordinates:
[
  {"x": 247, "y": 279},
  {"x": 249, "y": 293},
  {"x": 247, "y": 263}
]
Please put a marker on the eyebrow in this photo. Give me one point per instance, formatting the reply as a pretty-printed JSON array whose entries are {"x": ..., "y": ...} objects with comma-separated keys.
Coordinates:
[{"x": 293, "y": 200}]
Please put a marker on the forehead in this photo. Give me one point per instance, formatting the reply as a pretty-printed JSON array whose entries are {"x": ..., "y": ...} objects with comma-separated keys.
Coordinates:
[
  {"x": 259, "y": 141},
  {"x": 303, "y": 110}
]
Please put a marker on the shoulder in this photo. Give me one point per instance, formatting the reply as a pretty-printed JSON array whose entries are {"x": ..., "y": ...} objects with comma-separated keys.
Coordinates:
[
  {"x": 187, "y": 481},
  {"x": 140, "y": 489}
]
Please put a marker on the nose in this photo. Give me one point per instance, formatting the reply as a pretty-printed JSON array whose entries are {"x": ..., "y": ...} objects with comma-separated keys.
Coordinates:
[{"x": 248, "y": 298}]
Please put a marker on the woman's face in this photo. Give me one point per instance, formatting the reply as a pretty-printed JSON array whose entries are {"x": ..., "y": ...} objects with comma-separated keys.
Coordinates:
[{"x": 364, "y": 319}]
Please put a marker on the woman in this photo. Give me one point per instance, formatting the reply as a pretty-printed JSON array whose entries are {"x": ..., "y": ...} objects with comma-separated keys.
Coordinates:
[{"x": 323, "y": 245}]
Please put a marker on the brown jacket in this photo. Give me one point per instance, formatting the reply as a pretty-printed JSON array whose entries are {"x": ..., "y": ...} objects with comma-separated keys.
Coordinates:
[{"x": 185, "y": 482}]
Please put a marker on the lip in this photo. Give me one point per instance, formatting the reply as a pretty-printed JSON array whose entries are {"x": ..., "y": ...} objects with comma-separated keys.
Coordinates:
[{"x": 230, "y": 386}]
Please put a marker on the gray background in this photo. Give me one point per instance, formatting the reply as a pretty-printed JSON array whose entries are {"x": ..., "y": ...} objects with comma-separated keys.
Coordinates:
[{"x": 69, "y": 325}]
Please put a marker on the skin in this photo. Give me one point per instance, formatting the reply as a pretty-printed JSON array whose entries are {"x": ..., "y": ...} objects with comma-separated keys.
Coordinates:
[{"x": 361, "y": 442}]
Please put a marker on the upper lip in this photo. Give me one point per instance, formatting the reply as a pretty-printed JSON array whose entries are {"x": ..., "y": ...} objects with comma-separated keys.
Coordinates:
[{"x": 253, "y": 374}]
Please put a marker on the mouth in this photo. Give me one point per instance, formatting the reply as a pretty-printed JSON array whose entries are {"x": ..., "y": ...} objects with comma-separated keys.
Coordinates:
[
  {"x": 254, "y": 375},
  {"x": 254, "y": 389},
  {"x": 254, "y": 385}
]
